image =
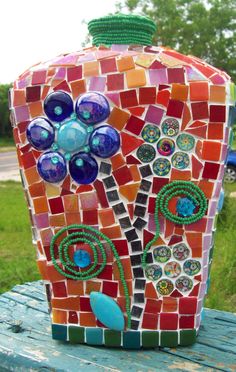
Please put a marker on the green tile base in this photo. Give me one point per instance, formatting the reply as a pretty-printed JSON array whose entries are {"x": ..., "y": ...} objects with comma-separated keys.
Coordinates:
[
  {"x": 169, "y": 339},
  {"x": 188, "y": 337},
  {"x": 76, "y": 335},
  {"x": 112, "y": 338}
]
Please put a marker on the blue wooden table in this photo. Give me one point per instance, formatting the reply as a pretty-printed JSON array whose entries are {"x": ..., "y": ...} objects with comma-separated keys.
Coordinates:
[{"x": 26, "y": 344}]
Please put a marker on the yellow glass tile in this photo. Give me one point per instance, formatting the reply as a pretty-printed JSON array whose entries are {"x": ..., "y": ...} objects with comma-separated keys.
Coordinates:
[
  {"x": 57, "y": 220},
  {"x": 217, "y": 94},
  {"x": 52, "y": 190},
  {"x": 179, "y": 92},
  {"x": 145, "y": 60},
  {"x": 91, "y": 68},
  {"x": 136, "y": 78},
  {"x": 125, "y": 63}
]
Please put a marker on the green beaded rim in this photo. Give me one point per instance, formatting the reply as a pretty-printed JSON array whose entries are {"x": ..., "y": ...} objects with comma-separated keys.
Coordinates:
[
  {"x": 169, "y": 191},
  {"x": 91, "y": 240},
  {"x": 122, "y": 29}
]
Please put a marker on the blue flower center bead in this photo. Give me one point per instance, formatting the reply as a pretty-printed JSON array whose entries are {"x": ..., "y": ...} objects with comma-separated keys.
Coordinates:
[
  {"x": 72, "y": 135},
  {"x": 185, "y": 207}
]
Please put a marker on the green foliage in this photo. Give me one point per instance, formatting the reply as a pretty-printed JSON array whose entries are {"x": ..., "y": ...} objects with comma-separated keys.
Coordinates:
[
  {"x": 205, "y": 29},
  {"x": 5, "y": 126}
]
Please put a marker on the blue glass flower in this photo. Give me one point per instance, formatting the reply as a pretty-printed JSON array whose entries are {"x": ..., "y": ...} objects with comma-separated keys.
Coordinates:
[
  {"x": 73, "y": 137},
  {"x": 185, "y": 207}
]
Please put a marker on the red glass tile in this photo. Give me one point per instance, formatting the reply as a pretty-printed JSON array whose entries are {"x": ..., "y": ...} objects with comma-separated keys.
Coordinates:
[
  {"x": 62, "y": 86},
  {"x": 90, "y": 217},
  {"x": 28, "y": 160},
  {"x": 101, "y": 194},
  {"x": 122, "y": 175},
  {"x": 106, "y": 273},
  {"x": 85, "y": 304},
  {"x": 163, "y": 97},
  {"x": 56, "y": 205},
  {"x": 187, "y": 305},
  {"x": 110, "y": 288},
  {"x": 199, "y": 131},
  {"x": 211, "y": 170},
  {"x": 151, "y": 204},
  {"x": 134, "y": 125},
  {"x": 175, "y": 108},
  {"x": 131, "y": 210},
  {"x": 156, "y": 65},
  {"x": 199, "y": 91},
  {"x": 168, "y": 321},
  {"x": 158, "y": 183},
  {"x": 215, "y": 131},
  {"x": 33, "y": 94},
  {"x": 129, "y": 143},
  {"x": 175, "y": 239},
  {"x": 147, "y": 236},
  {"x": 137, "y": 111},
  {"x": 59, "y": 289},
  {"x": 176, "y": 294},
  {"x": 175, "y": 75},
  {"x": 186, "y": 322},
  {"x": 121, "y": 247},
  {"x": 200, "y": 110},
  {"x": 130, "y": 159},
  {"x": 39, "y": 77},
  {"x": 196, "y": 167},
  {"x": 186, "y": 116},
  {"x": 150, "y": 321},
  {"x": 211, "y": 150},
  {"x": 128, "y": 98},
  {"x": 108, "y": 65},
  {"x": 73, "y": 317},
  {"x": 115, "y": 82},
  {"x": 217, "y": 113},
  {"x": 195, "y": 290},
  {"x": 74, "y": 73},
  {"x": 153, "y": 306},
  {"x": 147, "y": 95}
]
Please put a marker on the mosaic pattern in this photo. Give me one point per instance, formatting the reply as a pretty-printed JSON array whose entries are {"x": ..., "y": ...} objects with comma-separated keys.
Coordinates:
[{"x": 99, "y": 133}]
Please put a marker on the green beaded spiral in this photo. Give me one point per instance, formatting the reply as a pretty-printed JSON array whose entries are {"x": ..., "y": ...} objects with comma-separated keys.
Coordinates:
[
  {"x": 169, "y": 191},
  {"x": 91, "y": 237}
]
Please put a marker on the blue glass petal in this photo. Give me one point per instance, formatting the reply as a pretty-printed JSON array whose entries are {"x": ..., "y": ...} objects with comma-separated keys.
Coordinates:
[
  {"x": 52, "y": 166},
  {"x": 58, "y": 106},
  {"x": 185, "y": 207},
  {"x": 72, "y": 135},
  {"x": 83, "y": 168},
  {"x": 82, "y": 258},
  {"x": 104, "y": 141},
  {"x": 92, "y": 108},
  {"x": 40, "y": 133}
]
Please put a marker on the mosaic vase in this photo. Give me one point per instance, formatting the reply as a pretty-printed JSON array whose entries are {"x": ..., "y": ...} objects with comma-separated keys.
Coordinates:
[{"x": 122, "y": 150}]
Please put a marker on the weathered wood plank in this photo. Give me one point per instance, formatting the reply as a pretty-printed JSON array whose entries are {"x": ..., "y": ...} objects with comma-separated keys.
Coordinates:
[{"x": 32, "y": 349}]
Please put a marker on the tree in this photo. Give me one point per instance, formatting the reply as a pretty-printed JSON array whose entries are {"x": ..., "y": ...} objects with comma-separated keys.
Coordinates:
[
  {"x": 205, "y": 29},
  {"x": 5, "y": 126}
]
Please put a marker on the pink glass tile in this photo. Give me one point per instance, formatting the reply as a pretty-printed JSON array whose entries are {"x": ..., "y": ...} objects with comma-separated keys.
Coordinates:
[
  {"x": 158, "y": 76},
  {"x": 89, "y": 200},
  {"x": 41, "y": 220},
  {"x": 97, "y": 83},
  {"x": 22, "y": 113},
  {"x": 39, "y": 77},
  {"x": 154, "y": 115},
  {"x": 175, "y": 75}
]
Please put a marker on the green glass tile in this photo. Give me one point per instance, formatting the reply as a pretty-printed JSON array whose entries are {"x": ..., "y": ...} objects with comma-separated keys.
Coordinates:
[
  {"x": 150, "y": 339},
  {"x": 94, "y": 336},
  {"x": 188, "y": 337},
  {"x": 131, "y": 340},
  {"x": 169, "y": 339},
  {"x": 76, "y": 334},
  {"x": 59, "y": 332},
  {"x": 112, "y": 338}
]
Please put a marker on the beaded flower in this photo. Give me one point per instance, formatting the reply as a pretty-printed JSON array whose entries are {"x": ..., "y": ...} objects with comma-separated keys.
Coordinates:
[{"x": 71, "y": 136}]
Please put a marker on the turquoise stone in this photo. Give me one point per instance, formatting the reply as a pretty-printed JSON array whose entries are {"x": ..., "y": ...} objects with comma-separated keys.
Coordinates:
[
  {"x": 107, "y": 311},
  {"x": 82, "y": 258},
  {"x": 185, "y": 207},
  {"x": 72, "y": 135}
]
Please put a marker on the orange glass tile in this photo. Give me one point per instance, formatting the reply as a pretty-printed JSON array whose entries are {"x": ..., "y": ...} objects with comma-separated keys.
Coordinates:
[
  {"x": 180, "y": 175},
  {"x": 121, "y": 301},
  {"x": 52, "y": 190},
  {"x": 113, "y": 232},
  {"x": 39, "y": 247},
  {"x": 32, "y": 176},
  {"x": 217, "y": 94},
  {"x": 118, "y": 118},
  {"x": 91, "y": 68},
  {"x": 19, "y": 98},
  {"x": 92, "y": 286},
  {"x": 36, "y": 109},
  {"x": 57, "y": 220},
  {"x": 169, "y": 228},
  {"x": 186, "y": 117},
  {"x": 129, "y": 285},
  {"x": 40, "y": 205},
  {"x": 45, "y": 91},
  {"x": 125, "y": 63},
  {"x": 163, "y": 97},
  {"x": 78, "y": 87},
  {"x": 87, "y": 319},
  {"x": 126, "y": 267},
  {"x": 179, "y": 92},
  {"x": 23, "y": 137},
  {"x": 129, "y": 191},
  {"x": 194, "y": 239},
  {"x": 72, "y": 218},
  {"x": 53, "y": 274},
  {"x": 42, "y": 267},
  {"x": 117, "y": 161},
  {"x": 70, "y": 303},
  {"x": 169, "y": 305},
  {"x": 215, "y": 131},
  {"x": 75, "y": 287},
  {"x": 150, "y": 291},
  {"x": 106, "y": 217},
  {"x": 135, "y": 172},
  {"x": 199, "y": 91},
  {"x": 136, "y": 78},
  {"x": 207, "y": 187},
  {"x": 198, "y": 149},
  {"x": 59, "y": 316},
  {"x": 211, "y": 150},
  {"x": 84, "y": 188},
  {"x": 71, "y": 203},
  {"x": 199, "y": 226}
]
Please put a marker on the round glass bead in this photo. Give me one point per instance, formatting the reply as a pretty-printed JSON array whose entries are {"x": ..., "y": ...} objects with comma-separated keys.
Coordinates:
[
  {"x": 52, "y": 166},
  {"x": 161, "y": 166},
  {"x": 58, "y": 106},
  {"x": 170, "y": 127},
  {"x": 185, "y": 207},
  {"x": 184, "y": 284},
  {"x": 146, "y": 153},
  {"x": 165, "y": 287},
  {"x": 181, "y": 251},
  {"x": 162, "y": 254},
  {"x": 185, "y": 142},
  {"x": 104, "y": 141},
  {"x": 82, "y": 258},
  {"x": 180, "y": 160},
  {"x": 192, "y": 267},
  {"x": 40, "y": 133},
  {"x": 83, "y": 168},
  {"x": 166, "y": 146},
  {"x": 92, "y": 108},
  {"x": 72, "y": 135},
  {"x": 172, "y": 269},
  {"x": 153, "y": 272},
  {"x": 151, "y": 133}
]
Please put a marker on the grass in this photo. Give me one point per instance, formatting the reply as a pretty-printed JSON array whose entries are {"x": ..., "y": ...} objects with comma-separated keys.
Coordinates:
[
  {"x": 6, "y": 144},
  {"x": 17, "y": 254}
]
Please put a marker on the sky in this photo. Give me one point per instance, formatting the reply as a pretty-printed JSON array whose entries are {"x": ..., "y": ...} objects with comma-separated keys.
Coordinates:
[{"x": 33, "y": 31}]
